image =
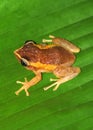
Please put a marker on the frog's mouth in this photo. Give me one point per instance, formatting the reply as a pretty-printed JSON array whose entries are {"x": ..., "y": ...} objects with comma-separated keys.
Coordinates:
[
  {"x": 17, "y": 55},
  {"x": 22, "y": 60}
]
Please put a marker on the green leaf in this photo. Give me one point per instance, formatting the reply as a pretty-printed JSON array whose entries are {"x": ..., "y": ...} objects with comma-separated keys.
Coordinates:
[{"x": 71, "y": 106}]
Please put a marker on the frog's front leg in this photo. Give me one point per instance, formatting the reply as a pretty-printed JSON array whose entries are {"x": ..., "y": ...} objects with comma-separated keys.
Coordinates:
[
  {"x": 28, "y": 84},
  {"x": 65, "y": 74}
]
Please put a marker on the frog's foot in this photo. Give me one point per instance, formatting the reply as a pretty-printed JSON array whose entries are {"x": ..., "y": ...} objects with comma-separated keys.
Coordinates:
[
  {"x": 62, "y": 80},
  {"x": 48, "y": 40},
  {"x": 28, "y": 84},
  {"x": 56, "y": 84},
  {"x": 24, "y": 87}
]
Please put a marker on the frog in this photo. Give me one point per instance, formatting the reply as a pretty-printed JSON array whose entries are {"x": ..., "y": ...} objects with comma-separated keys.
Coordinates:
[{"x": 54, "y": 55}]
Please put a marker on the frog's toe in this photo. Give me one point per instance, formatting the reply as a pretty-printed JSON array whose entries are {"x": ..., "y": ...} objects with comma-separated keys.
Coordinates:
[
  {"x": 20, "y": 82},
  {"x": 50, "y": 86},
  {"x": 46, "y": 40},
  {"x": 51, "y": 36},
  {"x": 56, "y": 87},
  {"x": 53, "y": 79},
  {"x": 27, "y": 93}
]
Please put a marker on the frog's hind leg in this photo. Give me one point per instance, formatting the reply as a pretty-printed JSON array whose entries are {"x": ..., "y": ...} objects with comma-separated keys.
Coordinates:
[
  {"x": 62, "y": 42},
  {"x": 71, "y": 73},
  {"x": 65, "y": 44}
]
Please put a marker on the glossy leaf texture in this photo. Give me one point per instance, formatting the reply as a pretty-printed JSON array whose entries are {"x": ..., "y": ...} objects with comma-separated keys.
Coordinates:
[{"x": 71, "y": 106}]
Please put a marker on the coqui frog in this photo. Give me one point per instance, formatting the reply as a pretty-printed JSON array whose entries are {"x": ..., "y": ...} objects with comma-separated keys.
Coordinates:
[{"x": 57, "y": 58}]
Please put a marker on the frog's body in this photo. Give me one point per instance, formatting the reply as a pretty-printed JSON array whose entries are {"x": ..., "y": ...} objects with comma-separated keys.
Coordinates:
[
  {"x": 56, "y": 58},
  {"x": 44, "y": 58}
]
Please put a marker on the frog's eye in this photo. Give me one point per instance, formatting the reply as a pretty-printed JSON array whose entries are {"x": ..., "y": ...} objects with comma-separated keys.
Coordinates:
[
  {"x": 30, "y": 41},
  {"x": 24, "y": 62}
]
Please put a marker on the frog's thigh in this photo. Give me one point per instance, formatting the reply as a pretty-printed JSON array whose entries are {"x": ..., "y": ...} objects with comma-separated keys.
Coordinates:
[
  {"x": 66, "y": 71},
  {"x": 66, "y": 44}
]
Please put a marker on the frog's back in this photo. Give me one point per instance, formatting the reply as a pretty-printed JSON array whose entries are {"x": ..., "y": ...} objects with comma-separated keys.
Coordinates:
[
  {"x": 53, "y": 55},
  {"x": 56, "y": 55}
]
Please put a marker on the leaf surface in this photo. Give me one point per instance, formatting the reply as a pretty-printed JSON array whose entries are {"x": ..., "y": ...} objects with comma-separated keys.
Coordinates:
[{"x": 71, "y": 106}]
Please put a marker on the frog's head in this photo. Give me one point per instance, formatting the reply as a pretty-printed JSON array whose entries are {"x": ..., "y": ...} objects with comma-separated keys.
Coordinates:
[{"x": 25, "y": 53}]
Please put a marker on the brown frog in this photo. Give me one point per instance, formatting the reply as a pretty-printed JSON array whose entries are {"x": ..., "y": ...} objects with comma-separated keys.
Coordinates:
[{"x": 57, "y": 58}]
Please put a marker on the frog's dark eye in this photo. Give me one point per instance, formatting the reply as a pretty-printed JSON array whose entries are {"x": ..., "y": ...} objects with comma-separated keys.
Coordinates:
[
  {"x": 30, "y": 41},
  {"x": 24, "y": 62}
]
